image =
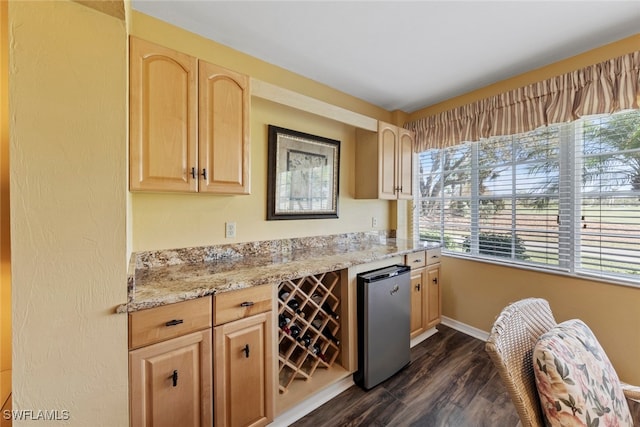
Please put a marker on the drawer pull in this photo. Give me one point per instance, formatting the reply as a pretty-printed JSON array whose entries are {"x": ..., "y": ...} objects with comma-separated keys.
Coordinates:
[
  {"x": 416, "y": 260},
  {"x": 174, "y": 378},
  {"x": 434, "y": 256},
  {"x": 246, "y": 304},
  {"x": 246, "y": 350},
  {"x": 174, "y": 322}
]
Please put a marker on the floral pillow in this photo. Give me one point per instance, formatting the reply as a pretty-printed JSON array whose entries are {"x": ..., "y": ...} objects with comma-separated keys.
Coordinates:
[{"x": 576, "y": 382}]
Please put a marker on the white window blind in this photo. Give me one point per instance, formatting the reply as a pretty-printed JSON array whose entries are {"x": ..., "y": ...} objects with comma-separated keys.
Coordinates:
[
  {"x": 565, "y": 197},
  {"x": 608, "y": 234}
]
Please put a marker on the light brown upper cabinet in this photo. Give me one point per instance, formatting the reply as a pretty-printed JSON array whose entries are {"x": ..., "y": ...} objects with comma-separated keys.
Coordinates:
[
  {"x": 384, "y": 163},
  {"x": 189, "y": 123}
]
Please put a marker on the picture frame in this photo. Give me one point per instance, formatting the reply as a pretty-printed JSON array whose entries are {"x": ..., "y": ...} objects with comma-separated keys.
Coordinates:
[{"x": 302, "y": 175}]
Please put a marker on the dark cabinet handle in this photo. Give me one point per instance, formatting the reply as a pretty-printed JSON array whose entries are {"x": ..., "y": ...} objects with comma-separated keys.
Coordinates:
[
  {"x": 204, "y": 173},
  {"x": 418, "y": 287},
  {"x": 246, "y": 350},
  {"x": 174, "y": 377},
  {"x": 174, "y": 322},
  {"x": 435, "y": 280},
  {"x": 193, "y": 173},
  {"x": 416, "y": 260},
  {"x": 246, "y": 304}
]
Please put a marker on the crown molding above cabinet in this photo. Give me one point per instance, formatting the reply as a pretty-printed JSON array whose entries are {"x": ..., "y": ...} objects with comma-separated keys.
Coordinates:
[{"x": 280, "y": 95}]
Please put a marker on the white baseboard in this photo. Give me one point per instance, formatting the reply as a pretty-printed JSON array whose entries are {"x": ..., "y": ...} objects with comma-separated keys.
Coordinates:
[
  {"x": 423, "y": 336},
  {"x": 464, "y": 328},
  {"x": 306, "y": 406}
]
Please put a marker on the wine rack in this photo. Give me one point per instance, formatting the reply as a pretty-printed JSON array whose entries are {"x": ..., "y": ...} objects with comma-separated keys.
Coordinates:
[{"x": 309, "y": 326}]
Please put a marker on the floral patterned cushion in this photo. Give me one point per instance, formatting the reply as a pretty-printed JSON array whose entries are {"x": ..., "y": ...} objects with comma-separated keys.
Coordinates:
[{"x": 576, "y": 382}]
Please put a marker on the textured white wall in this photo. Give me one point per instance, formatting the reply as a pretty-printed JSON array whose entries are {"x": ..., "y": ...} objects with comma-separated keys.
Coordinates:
[{"x": 68, "y": 195}]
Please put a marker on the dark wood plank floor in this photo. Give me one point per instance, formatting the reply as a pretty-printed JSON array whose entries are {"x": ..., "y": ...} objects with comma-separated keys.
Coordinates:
[{"x": 450, "y": 382}]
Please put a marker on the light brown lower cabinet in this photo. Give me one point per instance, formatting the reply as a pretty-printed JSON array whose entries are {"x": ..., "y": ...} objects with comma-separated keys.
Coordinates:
[
  {"x": 243, "y": 372},
  {"x": 418, "y": 312},
  {"x": 171, "y": 382},
  {"x": 426, "y": 298},
  {"x": 434, "y": 297}
]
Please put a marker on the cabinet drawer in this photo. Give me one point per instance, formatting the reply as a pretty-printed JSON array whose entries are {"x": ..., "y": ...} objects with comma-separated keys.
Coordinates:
[
  {"x": 169, "y": 321},
  {"x": 234, "y": 305},
  {"x": 416, "y": 259},
  {"x": 433, "y": 256}
]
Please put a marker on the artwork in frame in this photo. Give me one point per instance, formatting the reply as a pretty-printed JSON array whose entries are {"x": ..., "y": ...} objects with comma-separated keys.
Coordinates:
[{"x": 303, "y": 174}]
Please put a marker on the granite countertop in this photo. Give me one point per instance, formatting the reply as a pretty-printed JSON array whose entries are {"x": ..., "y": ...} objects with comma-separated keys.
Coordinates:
[{"x": 165, "y": 277}]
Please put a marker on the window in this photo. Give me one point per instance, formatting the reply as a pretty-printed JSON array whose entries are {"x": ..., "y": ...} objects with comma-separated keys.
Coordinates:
[{"x": 563, "y": 197}]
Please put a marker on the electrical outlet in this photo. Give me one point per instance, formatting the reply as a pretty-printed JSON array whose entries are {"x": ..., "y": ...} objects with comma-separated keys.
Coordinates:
[
  {"x": 229, "y": 229},
  {"x": 374, "y": 221}
]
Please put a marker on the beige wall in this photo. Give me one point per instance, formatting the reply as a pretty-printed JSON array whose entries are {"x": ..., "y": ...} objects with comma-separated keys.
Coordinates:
[
  {"x": 5, "y": 243},
  {"x": 475, "y": 292},
  {"x": 68, "y": 162},
  {"x": 182, "y": 220}
]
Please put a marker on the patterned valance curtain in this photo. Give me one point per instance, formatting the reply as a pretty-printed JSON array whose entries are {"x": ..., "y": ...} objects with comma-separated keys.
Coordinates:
[{"x": 606, "y": 87}]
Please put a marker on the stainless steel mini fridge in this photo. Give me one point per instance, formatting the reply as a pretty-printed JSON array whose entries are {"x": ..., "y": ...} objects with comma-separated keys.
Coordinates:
[{"x": 384, "y": 304}]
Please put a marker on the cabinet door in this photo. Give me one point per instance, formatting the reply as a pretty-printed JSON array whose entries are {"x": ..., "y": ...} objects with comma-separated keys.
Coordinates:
[
  {"x": 387, "y": 151},
  {"x": 417, "y": 302},
  {"x": 405, "y": 164},
  {"x": 224, "y": 147},
  {"x": 171, "y": 382},
  {"x": 434, "y": 305},
  {"x": 162, "y": 118},
  {"x": 243, "y": 379}
]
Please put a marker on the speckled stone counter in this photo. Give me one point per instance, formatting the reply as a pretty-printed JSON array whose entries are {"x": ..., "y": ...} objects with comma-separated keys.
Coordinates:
[{"x": 164, "y": 277}]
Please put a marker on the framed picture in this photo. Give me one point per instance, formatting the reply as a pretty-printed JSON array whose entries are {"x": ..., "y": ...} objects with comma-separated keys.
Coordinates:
[{"x": 302, "y": 177}]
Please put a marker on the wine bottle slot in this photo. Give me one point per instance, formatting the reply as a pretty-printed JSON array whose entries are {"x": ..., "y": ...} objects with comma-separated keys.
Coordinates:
[
  {"x": 283, "y": 322},
  {"x": 284, "y": 294},
  {"x": 327, "y": 308},
  {"x": 317, "y": 298},
  {"x": 318, "y": 352},
  {"x": 305, "y": 340},
  {"x": 295, "y": 306},
  {"x": 317, "y": 323},
  {"x": 294, "y": 330},
  {"x": 327, "y": 333}
]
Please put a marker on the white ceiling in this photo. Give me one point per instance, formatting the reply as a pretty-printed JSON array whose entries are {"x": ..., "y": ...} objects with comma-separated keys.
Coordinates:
[{"x": 404, "y": 55}]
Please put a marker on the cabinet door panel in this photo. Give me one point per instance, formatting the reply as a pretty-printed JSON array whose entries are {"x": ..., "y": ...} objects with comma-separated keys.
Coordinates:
[
  {"x": 405, "y": 164},
  {"x": 434, "y": 297},
  {"x": 160, "y": 397},
  {"x": 243, "y": 385},
  {"x": 417, "y": 303},
  {"x": 387, "y": 146},
  {"x": 162, "y": 118},
  {"x": 224, "y": 130}
]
